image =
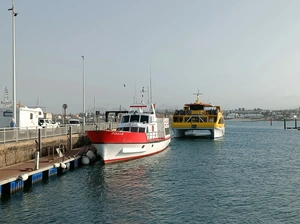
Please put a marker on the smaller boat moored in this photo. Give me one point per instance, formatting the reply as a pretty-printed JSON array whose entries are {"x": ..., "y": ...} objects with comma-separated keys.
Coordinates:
[{"x": 139, "y": 133}]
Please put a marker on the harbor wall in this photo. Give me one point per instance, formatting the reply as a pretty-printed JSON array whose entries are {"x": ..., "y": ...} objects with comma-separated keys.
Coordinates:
[{"x": 17, "y": 152}]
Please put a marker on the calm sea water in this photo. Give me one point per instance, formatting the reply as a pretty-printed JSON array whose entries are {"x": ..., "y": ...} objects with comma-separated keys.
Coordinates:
[{"x": 251, "y": 175}]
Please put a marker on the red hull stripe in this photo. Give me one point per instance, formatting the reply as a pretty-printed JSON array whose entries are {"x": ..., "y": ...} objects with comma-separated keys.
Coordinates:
[
  {"x": 131, "y": 158},
  {"x": 120, "y": 137},
  {"x": 156, "y": 140},
  {"x": 116, "y": 137}
]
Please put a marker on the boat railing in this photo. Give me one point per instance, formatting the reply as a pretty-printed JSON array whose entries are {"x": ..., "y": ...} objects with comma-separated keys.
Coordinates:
[
  {"x": 21, "y": 134},
  {"x": 194, "y": 119}
]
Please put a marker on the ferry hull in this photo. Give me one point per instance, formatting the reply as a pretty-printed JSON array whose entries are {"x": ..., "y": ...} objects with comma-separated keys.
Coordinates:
[
  {"x": 205, "y": 132},
  {"x": 118, "y": 152}
]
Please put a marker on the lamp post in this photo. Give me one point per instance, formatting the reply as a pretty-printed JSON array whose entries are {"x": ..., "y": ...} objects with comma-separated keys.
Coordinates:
[
  {"x": 14, "y": 14},
  {"x": 83, "y": 91}
]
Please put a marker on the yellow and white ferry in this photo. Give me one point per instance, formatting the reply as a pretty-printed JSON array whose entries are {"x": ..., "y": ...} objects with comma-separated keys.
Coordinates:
[{"x": 198, "y": 119}]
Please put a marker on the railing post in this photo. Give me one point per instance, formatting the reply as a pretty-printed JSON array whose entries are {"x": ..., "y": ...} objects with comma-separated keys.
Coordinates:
[
  {"x": 70, "y": 137},
  {"x": 37, "y": 155}
]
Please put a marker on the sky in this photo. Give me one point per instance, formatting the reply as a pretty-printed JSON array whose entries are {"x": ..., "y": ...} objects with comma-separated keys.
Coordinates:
[{"x": 237, "y": 53}]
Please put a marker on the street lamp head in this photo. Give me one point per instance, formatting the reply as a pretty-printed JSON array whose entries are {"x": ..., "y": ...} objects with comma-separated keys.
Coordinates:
[
  {"x": 82, "y": 57},
  {"x": 10, "y": 9}
]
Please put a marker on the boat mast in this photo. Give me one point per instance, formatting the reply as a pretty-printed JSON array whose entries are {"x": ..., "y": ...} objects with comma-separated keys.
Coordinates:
[
  {"x": 143, "y": 91},
  {"x": 198, "y": 97},
  {"x": 150, "y": 84},
  {"x": 6, "y": 102}
]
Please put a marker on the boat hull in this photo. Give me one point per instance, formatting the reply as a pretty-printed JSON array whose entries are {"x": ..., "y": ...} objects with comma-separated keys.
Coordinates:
[
  {"x": 118, "y": 152},
  {"x": 214, "y": 133},
  {"x": 116, "y": 146}
]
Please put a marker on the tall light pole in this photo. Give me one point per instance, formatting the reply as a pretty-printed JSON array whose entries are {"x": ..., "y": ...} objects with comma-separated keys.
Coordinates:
[
  {"x": 14, "y": 14},
  {"x": 83, "y": 91}
]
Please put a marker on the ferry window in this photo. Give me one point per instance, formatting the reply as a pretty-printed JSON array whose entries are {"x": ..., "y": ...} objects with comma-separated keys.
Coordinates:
[
  {"x": 40, "y": 113},
  {"x": 125, "y": 119},
  {"x": 134, "y": 118},
  {"x": 134, "y": 129},
  {"x": 144, "y": 119},
  {"x": 119, "y": 129},
  {"x": 141, "y": 129},
  {"x": 196, "y": 107},
  {"x": 31, "y": 116},
  {"x": 126, "y": 129}
]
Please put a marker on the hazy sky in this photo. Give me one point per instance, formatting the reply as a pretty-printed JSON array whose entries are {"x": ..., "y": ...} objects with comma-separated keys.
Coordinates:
[{"x": 237, "y": 53}]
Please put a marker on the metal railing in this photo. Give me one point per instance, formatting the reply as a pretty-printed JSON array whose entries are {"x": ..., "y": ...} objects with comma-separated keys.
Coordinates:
[{"x": 20, "y": 134}]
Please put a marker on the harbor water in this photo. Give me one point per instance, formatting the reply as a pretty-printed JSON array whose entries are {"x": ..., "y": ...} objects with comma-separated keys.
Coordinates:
[{"x": 251, "y": 175}]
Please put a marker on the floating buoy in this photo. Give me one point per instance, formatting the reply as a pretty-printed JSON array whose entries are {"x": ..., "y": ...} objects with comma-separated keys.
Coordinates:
[
  {"x": 85, "y": 160},
  {"x": 63, "y": 166},
  {"x": 91, "y": 155},
  {"x": 56, "y": 165},
  {"x": 23, "y": 177},
  {"x": 68, "y": 165},
  {"x": 98, "y": 153}
]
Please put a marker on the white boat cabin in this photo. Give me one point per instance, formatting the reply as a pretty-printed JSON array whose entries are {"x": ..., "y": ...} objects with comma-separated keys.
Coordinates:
[{"x": 140, "y": 118}]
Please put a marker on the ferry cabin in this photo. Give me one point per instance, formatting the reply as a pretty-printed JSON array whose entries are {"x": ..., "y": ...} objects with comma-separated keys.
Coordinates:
[{"x": 198, "y": 113}]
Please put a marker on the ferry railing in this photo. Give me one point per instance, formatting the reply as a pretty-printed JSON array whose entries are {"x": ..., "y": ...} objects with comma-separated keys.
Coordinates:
[{"x": 22, "y": 134}]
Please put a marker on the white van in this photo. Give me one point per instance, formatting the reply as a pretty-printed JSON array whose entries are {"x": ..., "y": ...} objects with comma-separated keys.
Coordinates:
[
  {"x": 75, "y": 122},
  {"x": 47, "y": 123}
]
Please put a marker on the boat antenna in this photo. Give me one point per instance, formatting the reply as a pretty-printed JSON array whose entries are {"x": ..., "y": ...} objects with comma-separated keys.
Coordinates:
[
  {"x": 134, "y": 98},
  {"x": 148, "y": 93},
  {"x": 143, "y": 91},
  {"x": 150, "y": 84},
  {"x": 198, "y": 97}
]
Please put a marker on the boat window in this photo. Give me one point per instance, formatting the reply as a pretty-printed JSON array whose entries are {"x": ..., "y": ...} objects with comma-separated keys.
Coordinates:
[
  {"x": 150, "y": 119},
  {"x": 167, "y": 131},
  {"x": 31, "y": 116},
  {"x": 142, "y": 129},
  {"x": 126, "y": 129},
  {"x": 134, "y": 129},
  {"x": 134, "y": 118},
  {"x": 125, "y": 119},
  {"x": 119, "y": 129},
  {"x": 144, "y": 119}
]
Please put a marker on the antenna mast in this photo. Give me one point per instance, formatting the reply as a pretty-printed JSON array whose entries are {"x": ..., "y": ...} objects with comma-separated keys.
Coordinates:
[
  {"x": 198, "y": 96},
  {"x": 150, "y": 84},
  {"x": 6, "y": 102}
]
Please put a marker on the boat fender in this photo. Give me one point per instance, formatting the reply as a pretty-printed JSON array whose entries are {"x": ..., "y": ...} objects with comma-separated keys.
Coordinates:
[
  {"x": 98, "y": 153},
  {"x": 91, "y": 155},
  {"x": 85, "y": 160},
  {"x": 56, "y": 165},
  {"x": 23, "y": 177},
  {"x": 63, "y": 166},
  {"x": 68, "y": 165}
]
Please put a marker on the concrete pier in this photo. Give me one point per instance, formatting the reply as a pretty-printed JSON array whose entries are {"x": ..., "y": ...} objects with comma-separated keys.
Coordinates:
[
  {"x": 21, "y": 168},
  {"x": 19, "y": 176}
]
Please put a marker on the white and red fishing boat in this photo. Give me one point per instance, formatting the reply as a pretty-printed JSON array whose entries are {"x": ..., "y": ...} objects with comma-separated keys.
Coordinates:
[{"x": 139, "y": 133}]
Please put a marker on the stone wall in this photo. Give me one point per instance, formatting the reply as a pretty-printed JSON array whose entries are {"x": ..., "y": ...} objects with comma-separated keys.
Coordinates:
[{"x": 18, "y": 152}]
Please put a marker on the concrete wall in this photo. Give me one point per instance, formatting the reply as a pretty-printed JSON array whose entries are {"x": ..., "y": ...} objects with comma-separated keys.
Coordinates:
[{"x": 18, "y": 152}]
